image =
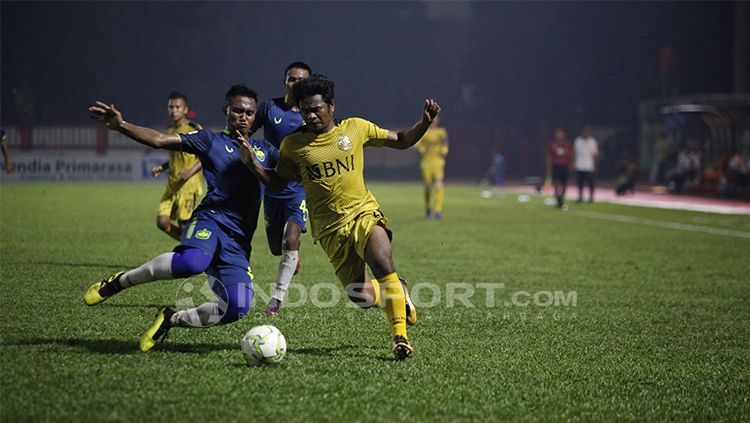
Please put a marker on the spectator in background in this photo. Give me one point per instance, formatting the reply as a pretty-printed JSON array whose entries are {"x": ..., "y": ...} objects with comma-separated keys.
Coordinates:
[
  {"x": 686, "y": 172},
  {"x": 7, "y": 164},
  {"x": 628, "y": 170},
  {"x": 736, "y": 180},
  {"x": 559, "y": 154},
  {"x": 498, "y": 169},
  {"x": 586, "y": 153}
]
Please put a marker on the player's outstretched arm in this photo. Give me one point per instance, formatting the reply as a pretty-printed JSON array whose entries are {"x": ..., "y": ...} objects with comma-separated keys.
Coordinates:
[
  {"x": 112, "y": 119},
  {"x": 269, "y": 177},
  {"x": 404, "y": 139}
]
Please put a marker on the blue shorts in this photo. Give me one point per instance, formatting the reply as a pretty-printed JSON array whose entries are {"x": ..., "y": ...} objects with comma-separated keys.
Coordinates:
[
  {"x": 229, "y": 251},
  {"x": 278, "y": 211},
  {"x": 234, "y": 300}
]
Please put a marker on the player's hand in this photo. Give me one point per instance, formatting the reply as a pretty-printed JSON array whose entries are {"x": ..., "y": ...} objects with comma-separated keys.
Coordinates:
[
  {"x": 246, "y": 150},
  {"x": 430, "y": 110},
  {"x": 107, "y": 114},
  {"x": 156, "y": 171}
]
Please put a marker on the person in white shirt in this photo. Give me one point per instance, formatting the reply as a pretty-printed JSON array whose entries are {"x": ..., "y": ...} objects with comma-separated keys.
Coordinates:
[{"x": 586, "y": 155}]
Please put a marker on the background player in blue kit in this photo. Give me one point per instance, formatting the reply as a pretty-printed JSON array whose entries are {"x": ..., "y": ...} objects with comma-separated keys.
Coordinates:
[
  {"x": 286, "y": 210},
  {"x": 217, "y": 238}
]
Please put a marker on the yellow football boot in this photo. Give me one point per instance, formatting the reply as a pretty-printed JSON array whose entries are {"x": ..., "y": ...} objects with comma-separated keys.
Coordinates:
[
  {"x": 158, "y": 329},
  {"x": 92, "y": 295}
]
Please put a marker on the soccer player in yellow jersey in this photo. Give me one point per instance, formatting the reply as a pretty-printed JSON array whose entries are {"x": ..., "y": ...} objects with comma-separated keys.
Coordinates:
[
  {"x": 433, "y": 147},
  {"x": 328, "y": 158},
  {"x": 185, "y": 183}
]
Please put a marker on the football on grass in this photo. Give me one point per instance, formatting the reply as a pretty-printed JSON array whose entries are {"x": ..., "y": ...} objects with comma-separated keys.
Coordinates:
[{"x": 264, "y": 345}]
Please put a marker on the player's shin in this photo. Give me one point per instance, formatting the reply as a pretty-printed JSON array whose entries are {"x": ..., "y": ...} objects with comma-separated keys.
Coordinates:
[
  {"x": 439, "y": 196},
  {"x": 203, "y": 316},
  {"x": 160, "y": 267},
  {"x": 394, "y": 300},
  {"x": 287, "y": 265}
]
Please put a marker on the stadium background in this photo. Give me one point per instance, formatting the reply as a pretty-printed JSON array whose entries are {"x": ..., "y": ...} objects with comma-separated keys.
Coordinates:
[{"x": 506, "y": 73}]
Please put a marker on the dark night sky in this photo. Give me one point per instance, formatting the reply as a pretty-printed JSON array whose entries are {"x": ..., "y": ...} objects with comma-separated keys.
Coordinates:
[{"x": 485, "y": 62}]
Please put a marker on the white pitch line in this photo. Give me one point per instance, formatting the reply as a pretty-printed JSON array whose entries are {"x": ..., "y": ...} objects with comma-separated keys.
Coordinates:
[{"x": 662, "y": 224}]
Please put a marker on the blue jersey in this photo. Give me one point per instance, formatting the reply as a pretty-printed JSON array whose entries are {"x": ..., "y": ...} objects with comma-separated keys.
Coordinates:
[
  {"x": 234, "y": 194},
  {"x": 279, "y": 120}
]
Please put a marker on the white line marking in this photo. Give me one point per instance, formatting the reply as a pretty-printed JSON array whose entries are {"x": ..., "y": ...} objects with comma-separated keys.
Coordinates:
[
  {"x": 662, "y": 224},
  {"x": 680, "y": 205}
]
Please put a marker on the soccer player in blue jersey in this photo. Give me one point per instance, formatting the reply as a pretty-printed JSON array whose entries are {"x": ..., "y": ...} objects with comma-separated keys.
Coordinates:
[
  {"x": 217, "y": 238},
  {"x": 286, "y": 210}
]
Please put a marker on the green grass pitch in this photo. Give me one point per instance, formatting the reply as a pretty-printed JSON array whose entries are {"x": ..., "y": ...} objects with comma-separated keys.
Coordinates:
[{"x": 652, "y": 323}]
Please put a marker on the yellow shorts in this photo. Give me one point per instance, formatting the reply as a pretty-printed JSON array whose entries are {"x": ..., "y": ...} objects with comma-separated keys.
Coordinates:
[
  {"x": 433, "y": 171},
  {"x": 345, "y": 247},
  {"x": 178, "y": 206}
]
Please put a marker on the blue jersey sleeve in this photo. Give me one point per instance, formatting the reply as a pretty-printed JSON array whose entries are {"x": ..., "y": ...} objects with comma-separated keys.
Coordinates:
[
  {"x": 197, "y": 142},
  {"x": 260, "y": 117}
]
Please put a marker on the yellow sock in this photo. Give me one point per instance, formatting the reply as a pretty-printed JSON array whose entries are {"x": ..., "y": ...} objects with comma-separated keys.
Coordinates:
[
  {"x": 439, "y": 193},
  {"x": 427, "y": 199},
  {"x": 392, "y": 294},
  {"x": 376, "y": 288}
]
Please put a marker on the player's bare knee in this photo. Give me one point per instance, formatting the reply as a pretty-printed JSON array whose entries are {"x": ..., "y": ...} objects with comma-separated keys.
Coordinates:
[
  {"x": 292, "y": 234},
  {"x": 163, "y": 223},
  {"x": 361, "y": 294},
  {"x": 275, "y": 246},
  {"x": 290, "y": 243}
]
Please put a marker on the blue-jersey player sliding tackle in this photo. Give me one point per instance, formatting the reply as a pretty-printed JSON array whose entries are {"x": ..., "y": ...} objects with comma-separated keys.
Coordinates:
[
  {"x": 328, "y": 158},
  {"x": 218, "y": 235},
  {"x": 285, "y": 211}
]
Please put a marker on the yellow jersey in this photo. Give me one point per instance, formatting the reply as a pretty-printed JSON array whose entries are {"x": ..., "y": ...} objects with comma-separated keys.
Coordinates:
[
  {"x": 431, "y": 146},
  {"x": 331, "y": 169},
  {"x": 179, "y": 160}
]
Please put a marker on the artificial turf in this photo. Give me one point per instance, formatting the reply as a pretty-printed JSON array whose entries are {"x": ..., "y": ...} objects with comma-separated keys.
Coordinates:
[{"x": 591, "y": 319}]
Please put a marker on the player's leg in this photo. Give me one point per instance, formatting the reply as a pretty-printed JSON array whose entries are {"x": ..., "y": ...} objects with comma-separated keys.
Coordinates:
[
  {"x": 230, "y": 280},
  {"x": 273, "y": 215},
  {"x": 438, "y": 177},
  {"x": 591, "y": 186},
  {"x": 378, "y": 255},
  {"x": 563, "y": 187},
  {"x": 580, "y": 179},
  {"x": 191, "y": 257},
  {"x": 182, "y": 262},
  {"x": 164, "y": 217},
  {"x": 293, "y": 213},
  {"x": 427, "y": 179},
  {"x": 556, "y": 186},
  {"x": 185, "y": 206}
]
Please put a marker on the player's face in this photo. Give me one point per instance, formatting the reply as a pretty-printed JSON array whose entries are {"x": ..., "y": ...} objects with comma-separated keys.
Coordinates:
[
  {"x": 177, "y": 109},
  {"x": 318, "y": 114},
  {"x": 240, "y": 114},
  {"x": 293, "y": 75},
  {"x": 559, "y": 134}
]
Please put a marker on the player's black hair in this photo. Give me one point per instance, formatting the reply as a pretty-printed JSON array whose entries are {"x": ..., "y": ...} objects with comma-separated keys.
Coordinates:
[
  {"x": 314, "y": 85},
  {"x": 298, "y": 65},
  {"x": 175, "y": 95},
  {"x": 240, "y": 90}
]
